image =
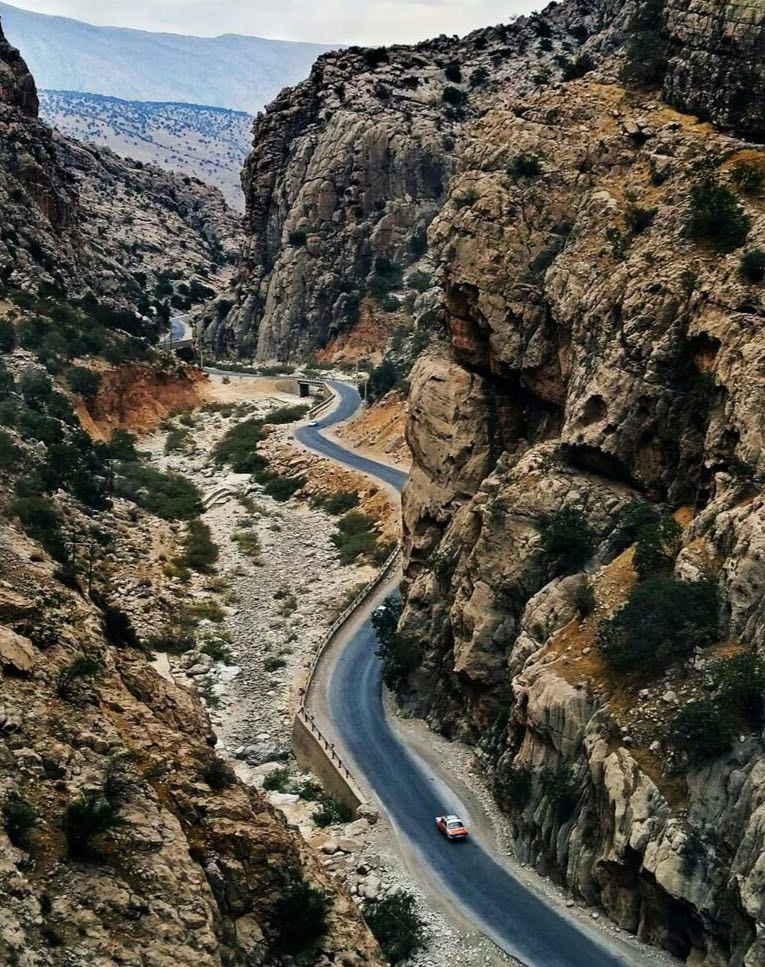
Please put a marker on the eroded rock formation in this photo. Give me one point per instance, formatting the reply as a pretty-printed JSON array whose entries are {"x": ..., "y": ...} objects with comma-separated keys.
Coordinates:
[{"x": 594, "y": 359}]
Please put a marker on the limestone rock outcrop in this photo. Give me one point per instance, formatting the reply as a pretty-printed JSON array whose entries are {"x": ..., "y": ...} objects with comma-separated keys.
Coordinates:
[
  {"x": 716, "y": 65},
  {"x": 193, "y": 871},
  {"x": 597, "y": 355},
  {"x": 349, "y": 168}
]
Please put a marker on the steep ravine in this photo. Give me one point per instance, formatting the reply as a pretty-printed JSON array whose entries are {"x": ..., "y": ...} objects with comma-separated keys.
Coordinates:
[{"x": 568, "y": 214}]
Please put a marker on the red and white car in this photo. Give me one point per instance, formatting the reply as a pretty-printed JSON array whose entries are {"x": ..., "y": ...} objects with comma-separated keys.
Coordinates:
[{"x": 452, "y": 827}]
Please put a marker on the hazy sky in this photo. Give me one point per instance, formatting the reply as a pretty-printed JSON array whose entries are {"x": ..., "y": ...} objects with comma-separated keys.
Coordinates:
[{"x": 323, "y": 21}]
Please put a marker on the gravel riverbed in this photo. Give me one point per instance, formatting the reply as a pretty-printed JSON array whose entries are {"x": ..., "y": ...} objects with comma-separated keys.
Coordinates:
[{"x": 276, "y": 608}]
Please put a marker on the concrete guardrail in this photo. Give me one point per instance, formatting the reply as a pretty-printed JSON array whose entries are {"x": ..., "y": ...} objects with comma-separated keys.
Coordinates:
[{"x": 312, "y": 748}]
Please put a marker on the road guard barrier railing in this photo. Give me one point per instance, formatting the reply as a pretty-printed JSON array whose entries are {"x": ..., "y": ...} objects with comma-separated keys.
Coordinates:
[
  {"x": 312, "y": 748},
  {"x": 322, "y": 405},
  {"x": 305, "y": 722}
]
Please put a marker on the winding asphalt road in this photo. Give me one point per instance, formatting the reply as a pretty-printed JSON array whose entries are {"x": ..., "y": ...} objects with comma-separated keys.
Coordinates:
[{"x": 516, "y": 917}]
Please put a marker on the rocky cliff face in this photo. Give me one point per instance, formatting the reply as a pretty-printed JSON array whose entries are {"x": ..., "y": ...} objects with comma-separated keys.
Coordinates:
[
  {"x": 123, "y": 838},
  {"x": 597, "y": 354},
  {"x": 716, "y": 63},
  {"x": 80, "y": 220},
  {"x": 190, "y": 869},
  {"x": 349, "y": 168}
]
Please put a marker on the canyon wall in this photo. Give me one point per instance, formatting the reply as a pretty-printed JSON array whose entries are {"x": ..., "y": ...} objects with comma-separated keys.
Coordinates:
[
  {"x": 124, "y": 839},
  {"x": 596, "y": 355},
  {"x": 349, "y": 168}
]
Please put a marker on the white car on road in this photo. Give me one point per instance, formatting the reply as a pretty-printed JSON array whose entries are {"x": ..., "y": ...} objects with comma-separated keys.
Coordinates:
[{"x": 452, "y": 827}]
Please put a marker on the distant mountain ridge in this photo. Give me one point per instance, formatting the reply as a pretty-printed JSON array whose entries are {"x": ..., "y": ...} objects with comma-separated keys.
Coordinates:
[
  {"x": 209, "y": 143},
  {"x": 235, "y": 72}
]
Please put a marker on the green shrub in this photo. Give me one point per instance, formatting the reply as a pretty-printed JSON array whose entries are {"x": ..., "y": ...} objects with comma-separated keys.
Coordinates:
[
  {"x": 386, "y": 277},
  {"x": 514, "y": 786},
  {"x": 382, "y": 380},
  {"x": 217, "y": 650},
  {"x": 525, "y": 165},
  {"x": 337, "y": 503},
  {"x": 178, "y": 635},
  {"x": 453, "y": 73},
  {"x": 301, "y": 917},
  {"x": 86, "y": 819},
  {"x": 84, "y": 666},
  {"x": 400, "y": 655},
  {"x": 740, "y": 684},
  {"x": 285, "y": 414},
  {"x": 419, "y": 281},
  {"x": 297, "y": 239},
  {"x": 283, "y": 488},
  {"x": 7, "y": 336},
  {"x": 700, "y": 731},
  {"x": 396, "y": 926},
  {"x": 331, "y": 812},
  {"x": 454, "y": 97},
  {"x": 716, "y": 216},
  {"x": 753, "y": 265},
  {"x": 36, "y": 388},
  {"x": 84, "y": 382},
  {"x": 207, "y": 610},
  {"x": 273, "y": 663},
  {"x": 168, "y": 495},
  {"x": 19, "y": 819},
  {"x": 176, "y": 440},
  {"x": 278, "y": 780},
  {"x": 219, "y": 775},
  {"x": 121, "y": 447},
  {"x": 248, "y": 543},
  {"x": 569, "y": 537},
  {"x": 10, "y": 455},
  {"x": 749, "y": 176},
  {"x": 693, "y": 852},
  {"x": 239, "y": 445},
  {"x": 573, "y": 69},
  {"x": 630, "y": 520},
  {"x": 309, "y": 790},
  {"x": 640, "y": 219},
  {"x": 561, "y": 789},
  {"x": 199, "y": 553},
  {"x": 7, "y": 382},
  {"x": 657, "y": 546},
  {"x": 661, "y": 623},
  {"x": 355, "y": 536}
]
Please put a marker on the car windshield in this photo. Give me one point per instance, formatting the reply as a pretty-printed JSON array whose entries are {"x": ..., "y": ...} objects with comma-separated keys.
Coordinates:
[{"x": 454, "y": 824}]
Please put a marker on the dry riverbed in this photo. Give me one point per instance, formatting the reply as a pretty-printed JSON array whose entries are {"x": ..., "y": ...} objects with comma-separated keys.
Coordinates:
[{"x": 275, "y": 607}]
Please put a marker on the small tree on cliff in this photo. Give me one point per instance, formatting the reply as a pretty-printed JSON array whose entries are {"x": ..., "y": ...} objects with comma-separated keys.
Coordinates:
[
  {"x": 398, "y": 652},
  {"x": 661, "y": 623},
  {"x": 568, "y": 536},
  {"x": 84, "y": 382}
]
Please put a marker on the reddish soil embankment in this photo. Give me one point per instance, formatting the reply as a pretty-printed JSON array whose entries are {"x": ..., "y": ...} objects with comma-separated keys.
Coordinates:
[{"x": 138, "y": 397}]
